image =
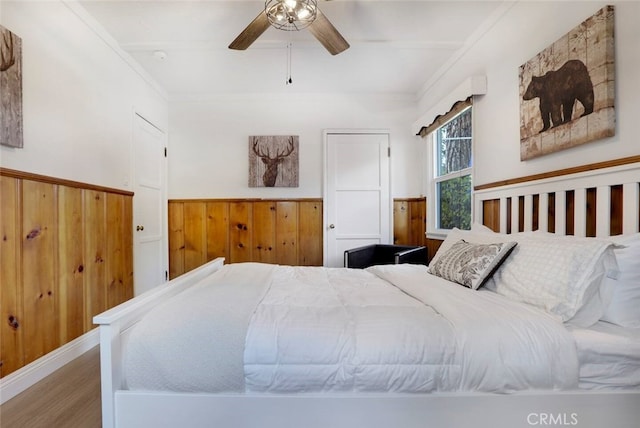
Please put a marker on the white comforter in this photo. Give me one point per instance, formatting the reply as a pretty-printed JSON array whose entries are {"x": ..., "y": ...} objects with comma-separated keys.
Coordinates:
[{"x": 387, "y": 328}]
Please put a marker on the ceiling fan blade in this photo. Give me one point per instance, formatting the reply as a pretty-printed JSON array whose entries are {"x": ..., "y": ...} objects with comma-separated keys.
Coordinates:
[
  {"x": 326, "y": 33},
  {"x": 251, "y": 33}
]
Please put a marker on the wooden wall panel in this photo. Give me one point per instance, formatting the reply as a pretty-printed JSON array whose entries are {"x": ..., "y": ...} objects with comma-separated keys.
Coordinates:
[
  {"x": 616, "y": 210},
  {"x": 67, "y": 254},
  {"x": 591, "y": 212},
  {"x": 551, "y": 226},
  {"x": 491, "y": 214},
  {"x": 127, "y": 245},
  {"x": 570, "y": 212},
  {"x": 241, "y": 231},
  {"x": 535, "y": 225},
  {"x": 71, "y": 263},
  {"x": 39, "y": 270},
  {"x": 176, "y": 239},
  {"x": 115, "y": 264},
  {"x": 264, "y": 232},
  {"x": 310, "y": 233},
  {"x": 95, "y": 253},
  {"x": 520, "y": 214},
  {"x": 194, "y": 235},
  {"x": 409, "y": 221},
  {"x": 401, "y": 219},
  {"x": 432, "y": 247},
  {"x": 418, "y": 221},
  {"x": 287, "y": 233},
  {"x": 217, "y": 230},
  {"x": 11, "y": 313}
]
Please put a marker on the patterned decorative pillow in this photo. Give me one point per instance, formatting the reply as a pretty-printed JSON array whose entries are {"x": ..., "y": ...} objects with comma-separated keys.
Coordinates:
[{"x": 471, "y": 264}]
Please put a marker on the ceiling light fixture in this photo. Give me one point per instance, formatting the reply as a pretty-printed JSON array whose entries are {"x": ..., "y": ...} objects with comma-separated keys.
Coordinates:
[{"x": 291, "y": 15}]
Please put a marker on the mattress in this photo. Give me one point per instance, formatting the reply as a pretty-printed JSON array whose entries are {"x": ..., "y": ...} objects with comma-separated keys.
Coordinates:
[
  {"x": 609, "y": 356},
  {"x": 393, "y": 328}
]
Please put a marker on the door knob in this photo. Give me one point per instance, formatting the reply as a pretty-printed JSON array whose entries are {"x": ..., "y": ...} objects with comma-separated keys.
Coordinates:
[{"x": 332, "y": 226}]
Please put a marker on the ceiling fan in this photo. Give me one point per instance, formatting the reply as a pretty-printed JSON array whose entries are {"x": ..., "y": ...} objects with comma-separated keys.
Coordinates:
[{"x": 292, "y": 15}]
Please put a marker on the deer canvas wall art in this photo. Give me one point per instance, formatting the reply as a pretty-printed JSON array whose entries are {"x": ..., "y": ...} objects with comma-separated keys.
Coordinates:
[
  {"x": 11, "y": 128},
  {"x": 273, "y": 161}
]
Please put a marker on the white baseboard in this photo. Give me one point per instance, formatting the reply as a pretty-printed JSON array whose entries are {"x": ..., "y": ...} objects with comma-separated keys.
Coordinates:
[{"x": 18, "y": 381}]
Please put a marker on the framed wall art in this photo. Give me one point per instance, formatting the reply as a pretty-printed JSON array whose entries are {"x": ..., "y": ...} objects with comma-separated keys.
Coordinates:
[
  {"x": 567, "y": 91},
  {"x": 11, "y": 128},
  {"x": 273, "y": 161}
]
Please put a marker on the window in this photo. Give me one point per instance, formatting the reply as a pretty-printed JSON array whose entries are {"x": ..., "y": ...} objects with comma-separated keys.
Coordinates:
[{"x": 450, "y": 177}]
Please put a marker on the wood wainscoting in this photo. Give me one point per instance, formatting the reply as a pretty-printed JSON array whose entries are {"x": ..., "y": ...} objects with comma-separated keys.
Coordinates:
[
  {"x": 410, "y": 223},
  {"x": 66, "y": 255},
  {"x": 283, "y": 231}
]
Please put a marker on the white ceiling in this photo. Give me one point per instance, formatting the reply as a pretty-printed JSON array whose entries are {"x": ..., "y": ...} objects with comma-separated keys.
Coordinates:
[{"x": 396, "y": 46}]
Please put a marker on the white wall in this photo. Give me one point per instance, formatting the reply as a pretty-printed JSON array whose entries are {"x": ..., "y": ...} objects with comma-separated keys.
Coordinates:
[
  {"x": 209, "y": 140},
  {"x": 525, "y": 29},
  {"x": 79, "y": 95}
]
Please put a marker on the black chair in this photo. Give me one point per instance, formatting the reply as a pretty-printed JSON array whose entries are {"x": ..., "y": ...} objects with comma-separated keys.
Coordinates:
[{"x": 380, "y": 254}]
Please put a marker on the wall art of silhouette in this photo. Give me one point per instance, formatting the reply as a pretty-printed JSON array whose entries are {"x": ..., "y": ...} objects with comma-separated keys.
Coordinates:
[
  {"x": 567, "y": 91},
  {"x": 273, "y": 161}
]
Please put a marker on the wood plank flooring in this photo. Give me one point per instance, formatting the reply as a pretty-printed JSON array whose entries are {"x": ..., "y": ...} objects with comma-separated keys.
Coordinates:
[{"x": 68, "y": 398}]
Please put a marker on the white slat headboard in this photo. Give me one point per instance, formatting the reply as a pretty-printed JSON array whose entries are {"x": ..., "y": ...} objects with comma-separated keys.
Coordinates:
[{"x": 567, "y": 204}]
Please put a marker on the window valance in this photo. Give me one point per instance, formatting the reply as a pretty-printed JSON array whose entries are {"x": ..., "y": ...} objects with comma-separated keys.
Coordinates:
[
  {"x": 439, "y": 120},
  {"x": 469, "y": 88}
]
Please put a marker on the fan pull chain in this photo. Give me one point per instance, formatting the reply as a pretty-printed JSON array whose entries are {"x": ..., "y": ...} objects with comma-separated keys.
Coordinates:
[{"x": 289, "y": 81}]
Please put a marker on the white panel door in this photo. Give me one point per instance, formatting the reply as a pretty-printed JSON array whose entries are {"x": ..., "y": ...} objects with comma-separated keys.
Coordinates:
[
  {"x": 149, "y": 206},
  {"x": 357, "y": 193}
]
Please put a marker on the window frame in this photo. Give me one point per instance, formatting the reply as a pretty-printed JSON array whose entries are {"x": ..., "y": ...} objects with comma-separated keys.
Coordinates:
[{"x": 433, "y": 179}]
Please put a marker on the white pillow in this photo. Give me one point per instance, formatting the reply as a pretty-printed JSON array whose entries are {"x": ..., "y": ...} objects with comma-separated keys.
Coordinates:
[
  {"x": 574, "y": 299},
  {"x": 558, "y": 274},
  {"x": 593, "y": 309},
  {"x": 470, "y": 264},
  {"x": 624, "y": 306}
]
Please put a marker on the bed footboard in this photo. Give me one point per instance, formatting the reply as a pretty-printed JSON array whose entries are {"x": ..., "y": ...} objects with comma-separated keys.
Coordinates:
[
  {"x": 454, "y": 410},
  {"x": 115, "y": 323}
]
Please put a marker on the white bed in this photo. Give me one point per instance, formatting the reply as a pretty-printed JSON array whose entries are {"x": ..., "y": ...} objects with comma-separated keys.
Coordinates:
[
  {"x": 347, "y": 330},
  {"x": 609, "y": 356},
  {"x": 471, "y": 377}
]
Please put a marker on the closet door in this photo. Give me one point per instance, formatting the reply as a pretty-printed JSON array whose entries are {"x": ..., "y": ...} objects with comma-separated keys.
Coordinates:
[
  {"x": 149, "y": 206},
  {"x": 357, "y": 192}
]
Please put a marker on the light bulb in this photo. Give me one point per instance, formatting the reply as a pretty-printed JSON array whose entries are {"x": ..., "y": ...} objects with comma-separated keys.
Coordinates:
[{"x": 303, "y": 13}]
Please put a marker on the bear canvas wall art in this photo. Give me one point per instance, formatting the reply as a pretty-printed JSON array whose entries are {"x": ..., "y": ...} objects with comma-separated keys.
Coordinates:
[
  {"x": 559, "y": 90},
  {"x": 567, "y": 91}
]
